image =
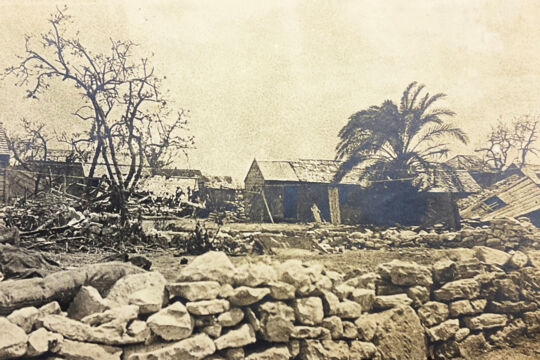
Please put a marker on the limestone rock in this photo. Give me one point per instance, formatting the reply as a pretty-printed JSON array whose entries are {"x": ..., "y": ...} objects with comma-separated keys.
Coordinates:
[
  {"x": 364, "y": 281},
  {"x": 491, "y": 256},
  {"x": 310, "y": 332},
  {"x": 335, "y": 326},
  {"x": 139, "y": 329},
  {"x": 87, "y": 301},
  {"x": 486, "y": 321},
  {"x": 108, "y": 328},
  {"x": 532, "y": 320},
  {"x": 462, "y": 334},
  {"x": 244, "y": 295},
  {"x": 255, "y": 274},
  {"x": 24, "y": 318},
  {"x": 399, "y": 334},
  {"x": 309, "y": 311},
  {"x": 444, "y": 330},
  {"x": 12, "y": 340},
  {"x": 208, "y": 307},
  {"x": 231, "y": 317},
  {"x": 383, "y": 302},
  {"x": 195, "y": 291},
  {"x": 459, "y": 289},
  {"x": 235, "y": 354},
  {"x": 350, "y": 331},
  {"x": 212, "y": 265},
  {"x": 467, "y": 307},
  {"x": 364, "y": 297},
  {"x": 367, "y": 326},
  {"x": 330, "y": 302},
  {"x": 279, "y": 352},
  {"x": 444, "y": 271},
  {"x": 324, "y": 349},
  {"x": 52, "y": 308},
  {"x": 419, "y": 295},
  {"x": 214, "y": 330},
  {"x": 534, "y": 258},
  {"x": 193, "y": 348},
  {"x": 433, "y": 313},
  {"x": 41, "y": 341},
  {"x": 473, "y": 346},
  {"x": 280, "y": 290},
  {"x": 518, "y": 260},
  {"x": 406, "y": 273},
  {"x": 252, "y": 319},
  {"x": 276, "y": 321},
  {"x": 360, "y": 350},
  {"x": 75, "y": 350},
  {"x": 146, "y": 290},
  {"x": 172, "y": 322},
  {"x": 239, "y": 337},
  {"x": 348, "y": 309}
]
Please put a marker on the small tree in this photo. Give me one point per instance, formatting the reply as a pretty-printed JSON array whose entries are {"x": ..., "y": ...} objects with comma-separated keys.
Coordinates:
[
  {"x": 510, "y": 141},
  {"x": 525, "y": 137},
  {"x": 30, "y": 148},
  {"x": 499, "y": 143},
  {"x": 127, "y": 113}
]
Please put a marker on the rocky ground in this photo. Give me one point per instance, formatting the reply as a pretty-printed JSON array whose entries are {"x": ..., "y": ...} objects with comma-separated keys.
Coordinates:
[{"x": 355, "y": 261}]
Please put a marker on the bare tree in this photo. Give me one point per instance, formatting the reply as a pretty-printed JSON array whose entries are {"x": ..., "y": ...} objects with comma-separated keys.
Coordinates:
[
  {"x": 525, "y": 136},
  {"x": 506, "y": 141},
  {"x": 164, "y": 144},
  {"x": 121, "y": 100},
  {"x": 30, "y": 148},
  {"x": 499, "y": 142}
]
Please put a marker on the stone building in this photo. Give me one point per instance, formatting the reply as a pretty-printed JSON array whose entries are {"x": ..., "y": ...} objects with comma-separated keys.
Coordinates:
[{"x": 304, "y": 191}]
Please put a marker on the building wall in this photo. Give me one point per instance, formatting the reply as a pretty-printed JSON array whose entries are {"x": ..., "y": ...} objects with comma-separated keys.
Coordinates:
[{"x": 3, "y": 181}]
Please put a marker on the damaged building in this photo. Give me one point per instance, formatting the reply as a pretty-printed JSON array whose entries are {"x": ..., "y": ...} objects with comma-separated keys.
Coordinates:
[
  {"x": 304, "y": 191},
  {"x": 516, "y": 196}
]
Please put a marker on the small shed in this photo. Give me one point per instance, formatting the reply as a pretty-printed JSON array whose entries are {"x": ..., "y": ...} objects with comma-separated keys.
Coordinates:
[
  {"x": 304, "y": 191},
  {"x": 4, "y": 162}
]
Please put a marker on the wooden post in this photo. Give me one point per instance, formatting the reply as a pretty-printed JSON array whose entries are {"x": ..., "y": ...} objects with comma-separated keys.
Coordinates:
[
  {"x": 333, "y": 204},
  {"x": 266, "y": 205}
]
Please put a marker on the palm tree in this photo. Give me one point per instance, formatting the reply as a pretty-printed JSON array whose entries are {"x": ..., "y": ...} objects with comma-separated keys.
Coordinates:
[{"x": 396, "y": 142}]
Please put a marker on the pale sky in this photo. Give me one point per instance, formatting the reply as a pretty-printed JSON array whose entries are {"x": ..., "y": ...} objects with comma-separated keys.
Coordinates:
[{"x": 278, "y": 79}]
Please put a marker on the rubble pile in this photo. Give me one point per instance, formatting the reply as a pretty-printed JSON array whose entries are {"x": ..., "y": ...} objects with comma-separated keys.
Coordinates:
[
  {"x": 503, "y": 234},
  {"x": 270, "y": 310},
  {"x": 60, "y": 223}
]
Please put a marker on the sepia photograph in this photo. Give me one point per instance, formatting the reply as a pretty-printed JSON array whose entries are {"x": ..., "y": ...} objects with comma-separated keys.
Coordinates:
[{"x": 269, "y": 180}]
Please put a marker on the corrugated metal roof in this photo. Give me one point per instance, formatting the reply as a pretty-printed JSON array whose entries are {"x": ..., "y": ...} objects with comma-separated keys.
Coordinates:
[
  {"x": 519, "y": 195},
  {"x": 468, "y": 162},
  {"x": 277, "y": 171},
  {"x": 447, "y": 180},
  {"x": 323, "y": 171},
  {"x": 4, "y": 150}
]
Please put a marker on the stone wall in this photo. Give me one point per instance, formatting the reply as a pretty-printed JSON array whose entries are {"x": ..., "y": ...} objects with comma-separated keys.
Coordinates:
[
  {"x": 504, "y": 234},
  {"x": 268, "y": 310}
]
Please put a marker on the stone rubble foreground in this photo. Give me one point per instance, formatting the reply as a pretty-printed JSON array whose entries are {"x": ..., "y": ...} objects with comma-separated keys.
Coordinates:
[{"x": 269, "y": 310}]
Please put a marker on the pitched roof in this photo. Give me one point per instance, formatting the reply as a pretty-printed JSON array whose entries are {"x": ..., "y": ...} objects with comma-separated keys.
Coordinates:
[
  {"x": 450, "y": 180},
  {"x": 4, "y": 150},
  {"x": 514, "y": 196},
  {"x": 323, "y": 171},
  {"x": 468, "y": 162},
  {"x": 308, "y": 171}
]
